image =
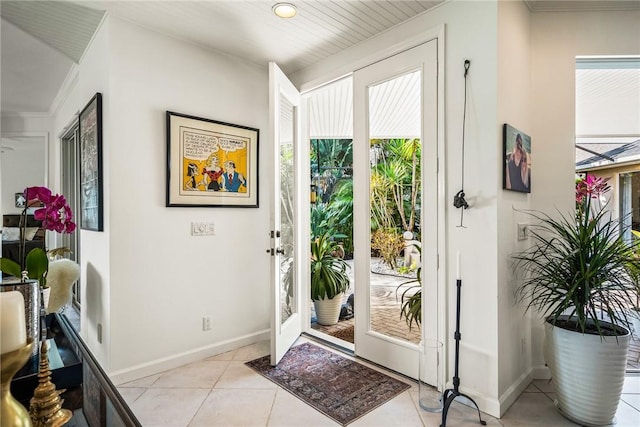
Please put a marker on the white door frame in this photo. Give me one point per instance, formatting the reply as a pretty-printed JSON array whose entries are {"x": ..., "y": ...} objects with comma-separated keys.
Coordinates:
[
  {"x": 395, "y": 353},
  {"x": 436, "y": 33},
  {"x": 284, "y": 333}
]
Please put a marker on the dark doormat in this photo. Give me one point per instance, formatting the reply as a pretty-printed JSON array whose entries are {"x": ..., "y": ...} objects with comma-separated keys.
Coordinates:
[
  {"x": 345, "y": 334},
  {"x": 340, "y": 388}
]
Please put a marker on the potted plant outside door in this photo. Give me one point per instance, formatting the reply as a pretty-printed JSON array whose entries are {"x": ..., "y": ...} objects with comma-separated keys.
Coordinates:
[{"x": 329, "y": 279}]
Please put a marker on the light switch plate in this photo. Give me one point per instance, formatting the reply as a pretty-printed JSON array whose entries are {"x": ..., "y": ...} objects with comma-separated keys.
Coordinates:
[
  {"x": 523, "y": 233},
  {"x": 203, "y": 229}
]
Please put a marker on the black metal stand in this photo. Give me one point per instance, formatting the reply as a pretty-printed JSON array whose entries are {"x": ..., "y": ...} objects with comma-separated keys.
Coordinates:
[{"x": 449, "y": 394}]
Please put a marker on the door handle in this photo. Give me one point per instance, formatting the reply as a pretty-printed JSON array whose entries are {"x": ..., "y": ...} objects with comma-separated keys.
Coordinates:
[{"x": 280, "y": 251}]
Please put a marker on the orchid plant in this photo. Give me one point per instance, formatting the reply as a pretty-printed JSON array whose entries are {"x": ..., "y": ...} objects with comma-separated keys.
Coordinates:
[{"x": 56, "y": 215}]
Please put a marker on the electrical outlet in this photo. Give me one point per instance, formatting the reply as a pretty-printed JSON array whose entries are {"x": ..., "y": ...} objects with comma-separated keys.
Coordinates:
[
  {"x": 207, "y": 323},
  {"x": 523, "y": 232},
  {"x": 203, "y": 229}
]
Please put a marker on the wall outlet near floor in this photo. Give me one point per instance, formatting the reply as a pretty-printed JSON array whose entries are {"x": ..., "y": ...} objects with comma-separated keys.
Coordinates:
[{"x": 207, "y": 322}]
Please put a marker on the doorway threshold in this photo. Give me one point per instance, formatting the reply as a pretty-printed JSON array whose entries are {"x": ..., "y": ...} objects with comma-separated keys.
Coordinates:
[{"x": 333, "y": 342}]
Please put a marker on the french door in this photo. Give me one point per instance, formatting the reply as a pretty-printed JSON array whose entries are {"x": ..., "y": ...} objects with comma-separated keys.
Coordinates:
[
  {"x": 70, "y": 183},
  {"x": 286, "y": 307},
  {"x": 409, "y": 77}
]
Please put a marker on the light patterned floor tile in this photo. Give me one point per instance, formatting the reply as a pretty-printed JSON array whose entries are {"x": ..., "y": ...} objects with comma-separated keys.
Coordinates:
[
  {"x": 631, "y": 385},
  {"x": 240, "y": 376},
  {"x": 633, "y": 400},
  {"x": 142, "y": 382},
  {"x": 252, "y": 351},
  {"x": 242, "y": 397},
  {"x": 545, "y": 386},
  {"x": 399, "y": 411},
  {"x": 203, "y": 374},
  {"x": 534, "y": 410},
  {"x": 230, "y": 408},
  {"x": 531, "y": 388},
  {"x": 228, "y": 356},
  {"x": 164, "y": 407},
  {"x": 627, "y": 416},
  {"x": 130, "y": 394},
  {"x": 458, "y": 415},
  {"x": 289, "y": 411}
]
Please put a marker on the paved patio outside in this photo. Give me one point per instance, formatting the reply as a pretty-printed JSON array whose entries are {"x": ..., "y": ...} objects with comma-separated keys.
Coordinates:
[
  {"x": 385, "y": 310},
  {"x": 385, "y": 317}
]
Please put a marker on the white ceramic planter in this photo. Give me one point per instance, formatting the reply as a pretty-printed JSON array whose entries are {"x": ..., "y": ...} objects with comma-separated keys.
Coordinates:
[
  {"x": 328, "y": 310},
  {"x": 588, "y": 373}
]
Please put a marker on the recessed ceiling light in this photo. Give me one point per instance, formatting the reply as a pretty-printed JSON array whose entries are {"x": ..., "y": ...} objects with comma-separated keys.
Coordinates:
[{"x": 284, "y": 10}]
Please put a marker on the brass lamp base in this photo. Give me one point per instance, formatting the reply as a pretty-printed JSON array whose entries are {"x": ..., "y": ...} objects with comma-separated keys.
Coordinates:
[
  {"x": 12, "y": 413},
  {"x": 46, "y": 405}
]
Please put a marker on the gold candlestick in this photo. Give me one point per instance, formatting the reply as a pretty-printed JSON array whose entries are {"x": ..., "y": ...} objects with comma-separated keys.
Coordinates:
[
  {"x": 46, "y": 404},
  {"x": 12, "y": 413}
]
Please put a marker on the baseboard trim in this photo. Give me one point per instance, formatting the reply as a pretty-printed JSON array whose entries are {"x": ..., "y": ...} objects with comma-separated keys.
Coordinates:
[
  {"x": 511, "y": 395},
  {"x": 540, "y": 372},
  {"x": 174, "y": 361}
]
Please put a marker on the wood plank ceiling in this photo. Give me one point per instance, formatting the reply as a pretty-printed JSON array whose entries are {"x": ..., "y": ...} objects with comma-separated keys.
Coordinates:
[{"x": 243, "y": 28}]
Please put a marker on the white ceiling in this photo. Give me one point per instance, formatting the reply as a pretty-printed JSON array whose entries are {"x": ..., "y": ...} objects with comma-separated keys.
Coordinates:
[
  {"x": 41, "y": 40},
  {"x": 244, "y": 28}
]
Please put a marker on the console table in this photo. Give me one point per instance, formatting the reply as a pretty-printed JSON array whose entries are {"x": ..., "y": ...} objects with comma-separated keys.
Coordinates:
[{"x": 90, "y": 394}]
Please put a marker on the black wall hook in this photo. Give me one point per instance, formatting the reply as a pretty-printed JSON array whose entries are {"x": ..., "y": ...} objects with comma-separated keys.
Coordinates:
[{"x": 459, "y": 201}]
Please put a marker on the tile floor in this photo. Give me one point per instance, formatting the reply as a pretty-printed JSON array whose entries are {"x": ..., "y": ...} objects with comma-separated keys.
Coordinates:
[{"x": 222, "y": 391}]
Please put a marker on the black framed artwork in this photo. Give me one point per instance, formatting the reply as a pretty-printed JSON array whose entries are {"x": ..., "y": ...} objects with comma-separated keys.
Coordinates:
[
  {"x": 516, "y": 172},
  {"x": 20, "y": 200},
  {"x": 90, "y": 129},
  {"x": 211, "y": 163}
]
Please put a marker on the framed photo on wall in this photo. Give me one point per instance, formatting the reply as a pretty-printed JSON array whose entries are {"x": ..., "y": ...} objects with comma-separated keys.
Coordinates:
[
  {"x": 90, "y": 129},
  {"x": 516, "y": 175},
  {"x": 211, "y": 163},
  {"x": 20, "y": 200}
]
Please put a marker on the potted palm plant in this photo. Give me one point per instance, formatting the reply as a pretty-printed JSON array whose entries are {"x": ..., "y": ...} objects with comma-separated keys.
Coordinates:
[
  {"x": 579, "y": 275},
  {"x": 329, "y": 279},
  {"x": 411, "y": 297}
]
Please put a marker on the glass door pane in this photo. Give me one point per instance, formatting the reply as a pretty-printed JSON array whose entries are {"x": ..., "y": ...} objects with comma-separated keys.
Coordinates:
[
  {"x": 330, "y": 139},
  {"x": 395, "y": 177},
  {"x": 288, "y": 295},
  {"x": 395, "y": 201},
  {"x": 70, "y": 188},
  {"x": 286, "y": 321}
]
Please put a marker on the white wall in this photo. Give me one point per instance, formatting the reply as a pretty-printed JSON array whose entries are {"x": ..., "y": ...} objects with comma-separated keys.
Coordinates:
[
  {"x": 556, "y": 40},
  {"x": 31, "y": 167},
  {"x": 159, "y": 279},
  {"x": 94, "y": 76},
  {"x": 470, "y": 33},
  {"x": 149, "y": 282},
  {"x": 514, "y": 108},
  {"x": 21, "y": 168}
]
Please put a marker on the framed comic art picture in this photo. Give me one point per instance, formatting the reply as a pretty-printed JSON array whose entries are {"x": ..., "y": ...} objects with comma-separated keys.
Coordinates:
[
  {"x": 516, "y": 173},
  {"x": 90, "y": 129},
  {"x": 211, "y": 163}
]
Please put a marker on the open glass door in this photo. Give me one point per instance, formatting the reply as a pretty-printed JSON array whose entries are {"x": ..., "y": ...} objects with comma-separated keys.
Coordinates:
[
  {"x": 395, "y": 172},
  {"x": 286, "y": 319}
]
